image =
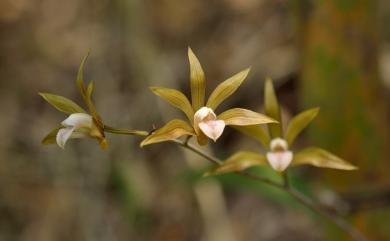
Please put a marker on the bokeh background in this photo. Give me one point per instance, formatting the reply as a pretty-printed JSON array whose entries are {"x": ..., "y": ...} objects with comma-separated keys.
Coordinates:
[{"x": 331, "y": 53}]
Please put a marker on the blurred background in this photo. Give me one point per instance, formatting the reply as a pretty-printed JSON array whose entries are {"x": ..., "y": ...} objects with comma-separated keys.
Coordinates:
[{"x": 334, "y": 54}]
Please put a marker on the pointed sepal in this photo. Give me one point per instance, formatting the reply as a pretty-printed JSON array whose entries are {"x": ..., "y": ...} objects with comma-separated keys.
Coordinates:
[
  {"x": 172, "y": 130},
  {"x": 321, "y": 158},
  {"x": 238, "y": 162},
  {"x": 256, "y": 132},
  {"x": 226, "y": 89},
  {"x": 272, "y": 108},
  {"x": 244, "y": 117},
  {"x": 198, "y": 82},
  {"x": 298, "y": 123},
  {"x": 51, "y": 137},
  {"x": 62, "y": 104},
  {"x": 175, "y": 98}
]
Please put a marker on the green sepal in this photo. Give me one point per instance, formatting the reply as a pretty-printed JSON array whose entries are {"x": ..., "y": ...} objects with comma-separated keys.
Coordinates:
[
  {"x": 170, "y": 131},
  {"x": 320, "y": 158},
  {"x": 51, "y": 137},
  {"x": 226, "y": 89},
  {"x": 298, "y": 123},
  {"x": 198, "y": 81},
  {"x": 62, "y": 104},
  {"x": 238, "y": 162},
  {"x": 272, "y": 109},
  {"x": 256, "y": 132}
]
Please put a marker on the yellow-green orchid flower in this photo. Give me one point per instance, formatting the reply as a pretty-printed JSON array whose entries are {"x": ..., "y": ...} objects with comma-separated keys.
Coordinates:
[
  {"x": 79, "y": 123},
  {"x": 279, "y": 156},
  {"x": 203, "y": 122}
]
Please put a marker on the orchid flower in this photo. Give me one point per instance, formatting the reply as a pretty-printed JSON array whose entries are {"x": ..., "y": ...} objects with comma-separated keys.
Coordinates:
[
  {"x": 203, "y": 122},
  {"x": 279, "y": 156},
  {"x": 79, "y": 123}
]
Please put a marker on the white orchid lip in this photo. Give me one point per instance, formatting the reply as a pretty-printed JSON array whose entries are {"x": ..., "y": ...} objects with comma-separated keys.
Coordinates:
[
  {"x": 279, "y": 157},
  {"x": 206, "y": 120},
  {"x": 77, "y": 125},
  {"x": 78, "y": 120}
]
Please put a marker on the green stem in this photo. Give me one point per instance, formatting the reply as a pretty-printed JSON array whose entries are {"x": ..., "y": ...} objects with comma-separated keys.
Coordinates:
[
  {"x": 285, "y": 186},
  {"x": 122, "y": 131}
]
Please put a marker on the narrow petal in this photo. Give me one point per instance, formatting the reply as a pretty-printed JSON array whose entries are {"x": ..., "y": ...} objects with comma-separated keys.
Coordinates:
[
  {"x": 279, "y": 161},
  {"x": 244, "y": 117},
  {"x": 198, "y": 85},
  {"x": 212, "y": 128},
  {"x": 300, "y": 122},
  {"x": 63, "y": 135},
  {"x": 62, "y": 104},
  {"x": 256, "y": 132},
  {"x": 175, "y": 98},
  {"x": 172, "y": 130},
  {"x": 78, "y": 120},
  {"x": 226, "y": 89},
  {"x": 321, "y": 158},
  {"x": 272, "y": 109},
  {"x": 86, "y": 93},
  {"x": 238, "y": 162}
]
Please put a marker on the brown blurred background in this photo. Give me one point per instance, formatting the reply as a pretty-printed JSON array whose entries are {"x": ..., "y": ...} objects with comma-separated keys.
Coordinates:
[{"x": 331, "y": 53}]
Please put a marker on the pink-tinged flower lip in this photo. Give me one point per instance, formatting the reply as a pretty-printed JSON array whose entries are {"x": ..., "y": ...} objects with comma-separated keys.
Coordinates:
[
  {"x": 279, "y": 157},
  {"x": 206, "y": 120}
]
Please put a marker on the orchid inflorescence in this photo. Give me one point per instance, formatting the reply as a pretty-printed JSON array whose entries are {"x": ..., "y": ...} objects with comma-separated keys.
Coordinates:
[{"x": 203, "y": 123}]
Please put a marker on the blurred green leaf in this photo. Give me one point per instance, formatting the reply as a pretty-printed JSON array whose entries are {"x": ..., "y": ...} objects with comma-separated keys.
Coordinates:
[
  {"x": 256, "y": 132},
  {"x": 243, "y": 117},
  {"x": 62, "y": 104},
  {"x": 237, "y": 162},
  {"x": 300, "y": 122},
  {"x": 51, "y": 137},
  {"x": 172, "y": 130},
  {"x": 226, "y": 88},
  {"x": 320, "y": 158},
  {"x": 272, "y": 108},
  {"x": 175, "y": 98},
  {"x": 198, "y": 82}
]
